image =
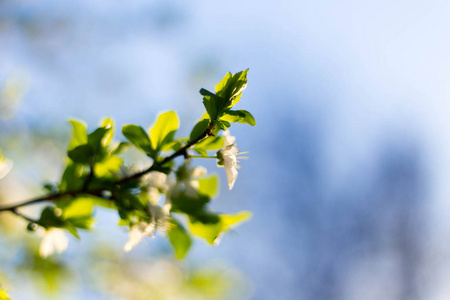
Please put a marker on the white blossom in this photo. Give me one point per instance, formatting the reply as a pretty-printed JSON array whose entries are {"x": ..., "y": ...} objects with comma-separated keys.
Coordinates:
[
  {"x": 157, "y": 183},
  {"x": 229, "y": 153},
  {"x": 187, "y": 180},
  {"x": 158, "y": 221},
  {"x": 54, "y": 240}
]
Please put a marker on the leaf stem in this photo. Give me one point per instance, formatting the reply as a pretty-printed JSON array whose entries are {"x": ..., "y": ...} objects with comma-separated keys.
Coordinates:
[{"x": 199, "y": 156}]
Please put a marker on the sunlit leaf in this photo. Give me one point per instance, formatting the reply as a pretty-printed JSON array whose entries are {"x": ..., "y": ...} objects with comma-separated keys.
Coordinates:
[
  {"x": 180, "y": 239},
  {"x": 97, "y": 139},
  {"x": 108, "y": 123},
  {"x": 138, "y": 137},
  {"x": 199, "y": 128},
  {"x": 83, "y": 154},
  {"x": 208, "y": 186},
  {"x": 51, "y": 217},
  {"x": 79, "y": 207},
  {"x": 238, "y": 116},
  {"x": 214, "y": 231},
  {"x": 3, "y": 295},
  {"x": 120, "y": 148},
  {"x": 231, "y": 86},
  {"x": 79, "y": 133},
  {"x": 163, "y": 131},
  {"x": 108, "y": 167},
  {"x": 213, "y": 104},
  {"x": 72, "y": 178}
]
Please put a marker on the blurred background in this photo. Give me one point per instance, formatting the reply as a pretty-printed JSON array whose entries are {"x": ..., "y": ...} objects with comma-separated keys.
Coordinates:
[{"x": 348, "y": 176}]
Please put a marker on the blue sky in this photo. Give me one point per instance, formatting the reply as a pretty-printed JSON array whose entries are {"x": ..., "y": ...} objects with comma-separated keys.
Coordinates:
[{"x": 337, "y": 88}]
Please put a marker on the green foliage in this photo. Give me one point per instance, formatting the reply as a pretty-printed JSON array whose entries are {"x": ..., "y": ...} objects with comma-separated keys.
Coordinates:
[
  {"x": 95, "y": 176},
  {"x": 212, "y": 232},
  {"x": 79, "y": 135},
  {"x": 180, "y": 239},
  {"x": 3, "y": 295},
  {"x": 228, "y": 93},
  {"x": 209, "y": 186},
  {"x": 138, "y": 137},
  {"x": 238, "y": 116},
  {"x": 163, "y": 131}
]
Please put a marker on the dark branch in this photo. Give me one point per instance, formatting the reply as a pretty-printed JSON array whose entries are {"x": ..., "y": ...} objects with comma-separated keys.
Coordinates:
[{"x": 85, "y": 190}]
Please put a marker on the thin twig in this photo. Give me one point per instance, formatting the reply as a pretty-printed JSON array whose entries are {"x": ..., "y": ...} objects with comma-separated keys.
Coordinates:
[{"x": 84, "y": 190}]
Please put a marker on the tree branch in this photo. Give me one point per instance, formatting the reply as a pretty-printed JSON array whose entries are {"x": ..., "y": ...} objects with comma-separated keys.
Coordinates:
[{"x": 156, "y": 165}]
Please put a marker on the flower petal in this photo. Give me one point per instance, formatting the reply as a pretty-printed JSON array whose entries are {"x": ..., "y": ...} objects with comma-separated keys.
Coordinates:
[
  {"x": 135, "y": 237},
  {"x": 230, "y": 163}
]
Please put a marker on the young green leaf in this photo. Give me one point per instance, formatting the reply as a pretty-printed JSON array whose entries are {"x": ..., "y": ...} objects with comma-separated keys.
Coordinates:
[
  {"x": 72, "y": 178},
  {"x": 231, "y": 86},
  {"x": 98, "y": 139},
  {"x": 120, "y": 148},
  {"x": 163, "y": 131},
  {"x": 199, "y": 128},
  {"x": 208, "y": 186},
  {"x": 138, "y": 137},
  {"x": 83, "y": 154},
  {"x": 213, "y": 105},
  {"x": 180, "y": 239},
  {"x": 108, "y": 167},
  {"x": 3, "y": 295},
  {"x": 77, "y": 208},
  {"x": 238, "y": 116},
  {"x": 79, "y": 134},
  {"x": 108, "y": 123},
  {"x": 223, "y": 124},
  {"x": 51, "y": 217},
  {"x": 213, "y": 232}
]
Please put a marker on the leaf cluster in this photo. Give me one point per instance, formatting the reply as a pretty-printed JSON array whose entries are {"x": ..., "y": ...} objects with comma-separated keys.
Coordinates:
[{"x": 163, "y": 197}]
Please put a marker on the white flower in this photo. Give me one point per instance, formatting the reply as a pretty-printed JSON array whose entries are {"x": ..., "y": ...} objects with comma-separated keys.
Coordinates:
[
  {"x": 157, "y": 183},
  {"x": 5, "y": 166},
  {"x": 54, "y": 240},
  {"x": 229, "y": 154},
  {"x": 158, "y": 221},
  {"x": 187, "y": 180}
]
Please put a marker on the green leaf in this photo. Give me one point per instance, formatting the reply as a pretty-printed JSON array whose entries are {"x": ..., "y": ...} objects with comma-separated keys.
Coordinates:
[
  {"x": 72, "y": 178},
  {"x": 51, "y": 217},
  {"x": 213, "y": 105},
  {"x": 208, "y": 186},
  {"x": 223, "y": 124},
  {"x": 138, "y": 137},
  {"x": 205, "y": 92},
  {"x": 81, "y": 222},
  {"x": 77, "y": 208},
  {"x": 221, "y": 86},
  {"x": 71, "y": 229},
  {"x": 199, "y": 128},
  {"x": 231, "y": 86},
  {"x": 83, "y": 154},
  {"x": 210, "y": 143},
  {"x": 235, "y": 219},
  {"x": 79, "y": 134},
  {"x": 98, "y": 139},
  {"x": 189, "y": 205},
  {"x": 163, "y": 131},
  {"x": 3, "y": 295},
  {"x": 174, "y": 145},
  {"x": 213, "y": 232},
  {"x": 120, "y": 148},
  {"x": 108, "y": 123},
  {"x": 180, "y": 239},
  {"x": 238, "y": 116},
  {"x": 108, "y": 167},
  {"x": 201, "y": 151}
]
